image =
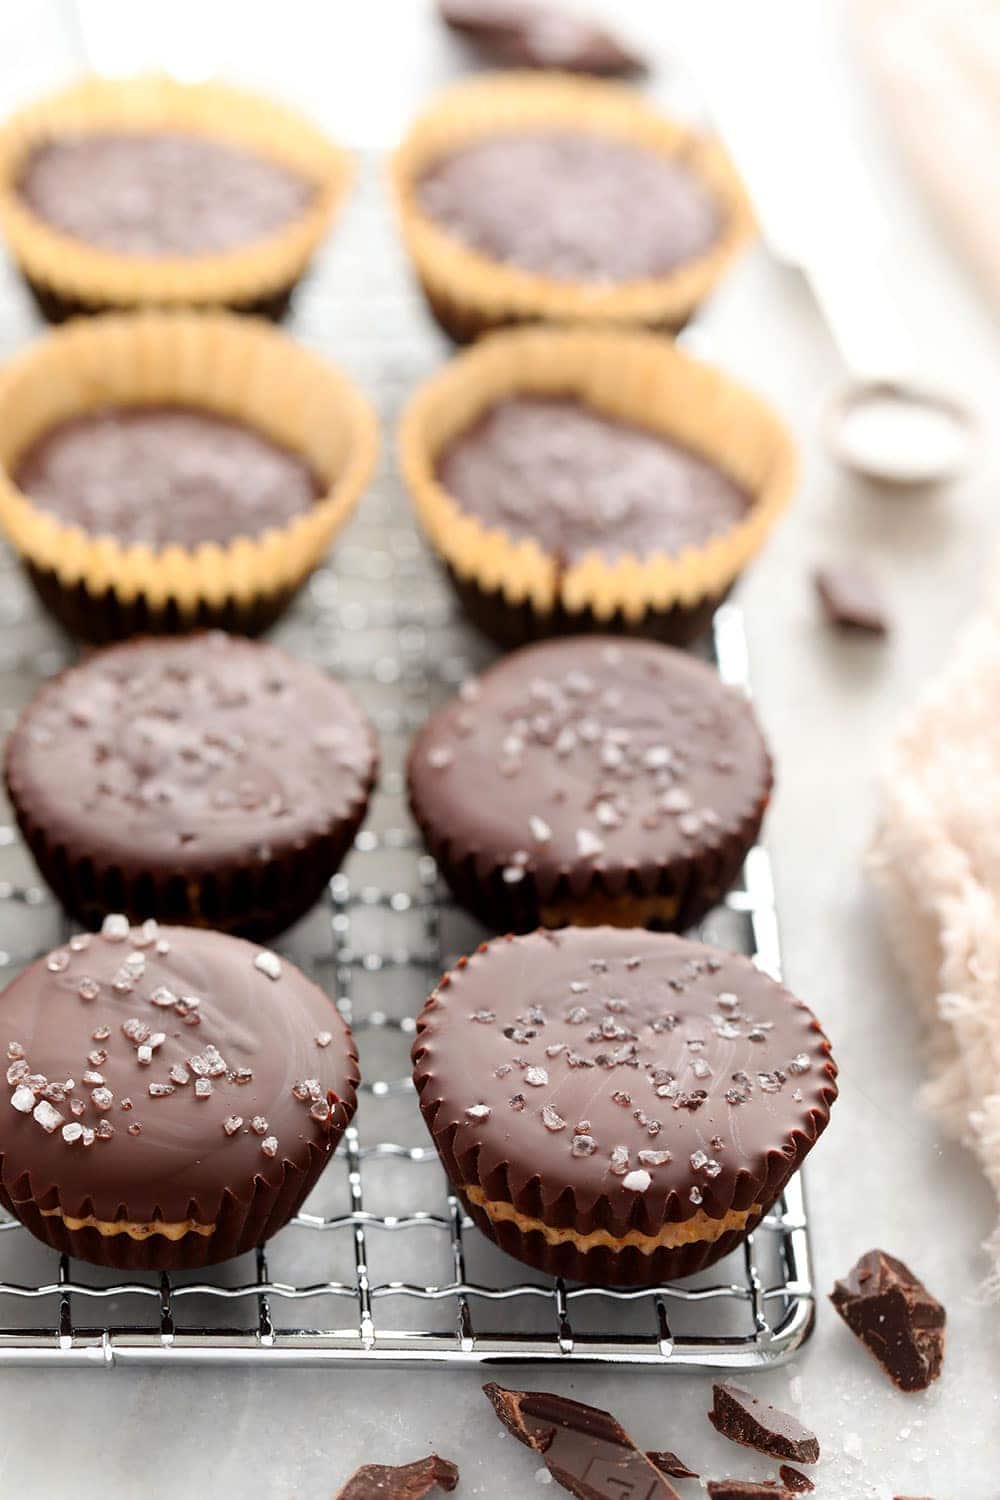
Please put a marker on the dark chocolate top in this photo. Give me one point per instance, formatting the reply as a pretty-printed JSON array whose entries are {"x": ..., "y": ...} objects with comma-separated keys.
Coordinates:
[
  {"x": 190, "y": 753},
  {"x": 572, "y": 204},
  {"x": 640, "y": 1070},
  {"x": 551, "y": 468},
  {"x": 160, "y": 194},
  {"x": 159, "y": 475},
  {"x": 530, "y": 34},
  {"x": 218, "y": 1029},
  {"x": 584, "y": 754}
]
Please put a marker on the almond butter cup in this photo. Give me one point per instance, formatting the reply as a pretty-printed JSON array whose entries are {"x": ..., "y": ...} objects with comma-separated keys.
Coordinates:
[
  {"x": 471, "y": 291},
  {"x": 591, "y": 780},
  {"x": 515, "y": 588},
  {"x": 103, "y": 588},
  {"x": 69, "y": 275},
  {"x": 192, "y": 1185},
  {"x": 208, "y": 780},
  {"x": 594, "y": 1094}
]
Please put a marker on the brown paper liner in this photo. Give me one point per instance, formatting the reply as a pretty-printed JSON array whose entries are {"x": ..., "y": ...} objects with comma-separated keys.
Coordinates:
[
  {"x": 102, "y": 589},
  {"x": 470, "y": 293},
  {"x": 68, "y": 275},
  {"x": 518, "y": 591},
  {"x": 239, "y": 1224}
]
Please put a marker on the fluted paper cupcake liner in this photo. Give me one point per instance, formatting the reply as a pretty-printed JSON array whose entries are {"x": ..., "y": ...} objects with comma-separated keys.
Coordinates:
[
  {"x": 470, "y": 292},
  {"x": 632, "y": 377},
  {"x": 103, "y": 589},
  {"x": 69, "y": 275}
]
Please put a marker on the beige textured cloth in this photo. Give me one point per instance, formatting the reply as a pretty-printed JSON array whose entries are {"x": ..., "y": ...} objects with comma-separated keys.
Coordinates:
[{"x": 937, "y": 860}]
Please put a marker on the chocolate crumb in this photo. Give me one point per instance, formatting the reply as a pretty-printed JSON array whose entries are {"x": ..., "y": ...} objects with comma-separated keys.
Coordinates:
[
  {"x": 400, "y": 1481},
  {"x": 747, "y": 1489},
  {"x": 585, "y": 1449},
  {"x": 792, "y": 1479},
  {"x": 529, "y": 34},
  {"x": 851, "y": 598},
  {"x": 895, "y": 1317},
  {"x": 746, "y": 1419},
  {"x": 669, "y": 1463}
]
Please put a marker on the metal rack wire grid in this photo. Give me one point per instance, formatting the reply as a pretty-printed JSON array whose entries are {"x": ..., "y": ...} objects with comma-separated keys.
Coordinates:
[{"x": 381, "y": 1266}]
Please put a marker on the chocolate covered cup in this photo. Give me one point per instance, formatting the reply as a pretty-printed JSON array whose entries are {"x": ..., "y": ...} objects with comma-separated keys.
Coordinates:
[
  {"x": 525, "y": 199},
  {"x": 574, "y": 480},
  {"x": 591, "y": 781},
  {"x": 618, "y": 1107},
  {"x": 147, "y": 192},
  {"x": 208, "y": 780},
  {"x": 167, "y": 472},
  {"x": 174, "y": 1095}
]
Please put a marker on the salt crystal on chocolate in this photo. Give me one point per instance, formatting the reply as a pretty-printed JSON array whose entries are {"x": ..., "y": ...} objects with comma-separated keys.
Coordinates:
[
  {"x": 88, "y": 988},
  {"x": 232, "y": 1123},
  {"x": 115, "y": 928},
  {"x": 551, "y": 1118},
  {"x": 637, "y": 1182},
  {"x": 269, "y": 1145},
  {"x": 23, "y": 1099},
  {"x": 47, "y": 1116},
  {"x": 266, "y": 962}
]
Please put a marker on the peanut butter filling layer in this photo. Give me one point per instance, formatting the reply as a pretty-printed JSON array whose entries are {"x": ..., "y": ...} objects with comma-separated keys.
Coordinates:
[
  {"x": 170, "y": 1229},
  {"x": 611, "y": 911},
  {"x": 700, "y": 1228}
]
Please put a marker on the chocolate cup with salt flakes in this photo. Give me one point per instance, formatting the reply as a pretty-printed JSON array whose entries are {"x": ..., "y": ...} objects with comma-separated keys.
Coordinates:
[
  {"x": 475, "y": 283},
  {"x": 588, "y": 781},
  {"x": 174, "y": 1095},
  {"x": 243, "y": 193},
  {"x": 207, "y": 780},
  {"x": 526, "y": 572},
  {"x": 165, "y": 572},
  {"x": 620, "y": 1108}
]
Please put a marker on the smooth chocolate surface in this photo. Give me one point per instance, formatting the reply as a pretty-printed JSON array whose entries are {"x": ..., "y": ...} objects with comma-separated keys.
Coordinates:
[
  {"x": 620, "y": 1078},
  {"x": 585, "y": 1449},
  {"x": 400, "y": 1481},
  {"x": 747, "y": 1419},
  {"x": 188, "y": 755},
  {"x": 159, "y": 475},
  {"x": 528, "y": 34},
  {"x": 572, "y": 204},
  {"x": 894, "y": 1315},
  {"x": 556, "y": 470},
  {"x": 590, "y": 759},
  {"x": 162, "y": 193},
  {"x": 851, "y": 598},
  {"x": 170, "y": 1036}
]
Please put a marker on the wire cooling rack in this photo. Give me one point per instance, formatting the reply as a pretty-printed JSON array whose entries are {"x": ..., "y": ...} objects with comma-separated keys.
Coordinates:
[{"x": 382, "y": 1266}]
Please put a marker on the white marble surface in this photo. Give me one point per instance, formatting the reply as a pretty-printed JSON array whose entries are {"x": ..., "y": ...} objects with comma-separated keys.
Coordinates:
[{"x": 883, "y": 1174}]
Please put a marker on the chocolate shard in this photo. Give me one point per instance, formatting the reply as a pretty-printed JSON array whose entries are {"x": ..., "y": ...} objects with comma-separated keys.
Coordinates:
[
  {"x": 400, "y": 1481},
  {"x": 851, "y": 598},
  {"x": 748, "y": 1489},
  {"x": 895, "y": 1317},
  {"x": 532, "y": 34},
  {"x": 792, "y": 1479},
  {"x": 669, "y": 1463},
  {"x": 585, "y": 1449},
  {"x": 746, "y": 1419}
]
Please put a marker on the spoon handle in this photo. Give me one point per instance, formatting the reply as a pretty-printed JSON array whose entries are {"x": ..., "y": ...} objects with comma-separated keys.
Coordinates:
[{"x": 862, "y": 317}]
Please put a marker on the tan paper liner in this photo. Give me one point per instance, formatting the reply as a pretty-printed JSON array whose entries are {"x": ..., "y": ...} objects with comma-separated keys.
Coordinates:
[
  {"x": 238, "y": 367},
  {"x": 634, "y": 377},
  {"x": 470, "y": 291},
  {"x": 100, "y": 278}
]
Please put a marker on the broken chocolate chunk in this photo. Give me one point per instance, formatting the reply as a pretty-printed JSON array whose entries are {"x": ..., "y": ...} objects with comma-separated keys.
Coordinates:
[
  {"x": 792, "y": 1479},
  {"x": 895, "y": 1317},
  {"x": 747, "y": 1419},
  {"x": 532, "y": 34},
  {"x": 748, "y": 1489},
  {"x": 669, "y": 1463},
  {"x": 585, "y": 1449},
  {"x": 400, "y": 1481},
  {"x": 851, "y": 598}
]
